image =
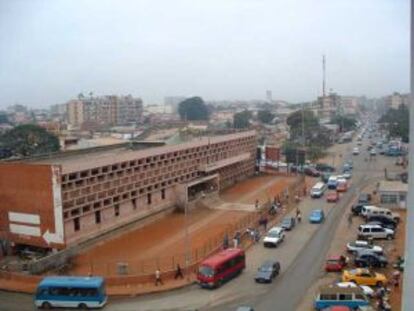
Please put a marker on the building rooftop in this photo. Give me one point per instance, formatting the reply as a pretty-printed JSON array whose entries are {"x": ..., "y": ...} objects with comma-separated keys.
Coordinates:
[
  {"x": 73, "y": 161},
  {"x": 392, "y": 186}
]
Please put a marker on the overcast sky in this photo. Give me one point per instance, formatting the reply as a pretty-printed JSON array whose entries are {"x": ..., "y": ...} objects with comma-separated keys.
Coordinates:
[{"x": 218, "y": 49}]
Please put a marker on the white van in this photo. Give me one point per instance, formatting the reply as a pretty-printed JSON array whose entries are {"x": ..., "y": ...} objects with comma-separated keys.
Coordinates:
[
  {"x": 371, "y": 210},
  {"x": 318, "y": 189}
]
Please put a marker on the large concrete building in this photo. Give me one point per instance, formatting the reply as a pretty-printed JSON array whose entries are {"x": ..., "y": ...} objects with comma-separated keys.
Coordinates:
[
  {"x": 105, "y": 110},
  {"x": 61, "y": 200}
]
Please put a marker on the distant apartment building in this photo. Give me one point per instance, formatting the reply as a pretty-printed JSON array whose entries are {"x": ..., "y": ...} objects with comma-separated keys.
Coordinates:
[
  {"x": 108, "y": 110},
  {"x": 60, "y": 200},
  {"x": 396, "y": 100},
  {"x": 350, "y": 105},
  {"x": 327, "y": 106}
]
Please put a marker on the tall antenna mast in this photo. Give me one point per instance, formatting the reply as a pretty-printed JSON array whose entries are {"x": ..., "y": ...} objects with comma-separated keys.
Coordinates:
[{"x": 323, "y": 76}]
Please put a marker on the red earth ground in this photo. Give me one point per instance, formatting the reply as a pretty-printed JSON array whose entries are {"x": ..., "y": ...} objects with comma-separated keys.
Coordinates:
[{"x": 162, "y": 243}]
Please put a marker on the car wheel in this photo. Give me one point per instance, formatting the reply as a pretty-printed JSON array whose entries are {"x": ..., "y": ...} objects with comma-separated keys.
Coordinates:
[
  {"x": 46, "y": 305},
  {"x": 389, "y": 237},
  {"x": 82, "y": 306}
]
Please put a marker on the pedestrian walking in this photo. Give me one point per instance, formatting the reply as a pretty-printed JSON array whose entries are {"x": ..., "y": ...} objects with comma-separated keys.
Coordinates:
[
  {"x": 158, "y": 279},
  {"x": 298, "y": 215},
  {"x": 178, "y": 272},
  {"x": 256, "y": 205}
]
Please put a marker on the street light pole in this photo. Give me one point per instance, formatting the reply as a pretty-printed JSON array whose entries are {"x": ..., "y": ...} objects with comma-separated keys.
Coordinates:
[{"x": 408, "y": 288}]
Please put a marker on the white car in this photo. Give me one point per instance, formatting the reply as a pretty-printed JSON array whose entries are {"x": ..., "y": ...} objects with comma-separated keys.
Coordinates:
[
  {"x": 373, "y": 152},
  {"x": 366, "y": 289},
  {"x": 347, "y": 175},
  {"x": 355, "y": 151},
  {"x": 358, "y": 245},
  {"x": 274, "y": 237}
]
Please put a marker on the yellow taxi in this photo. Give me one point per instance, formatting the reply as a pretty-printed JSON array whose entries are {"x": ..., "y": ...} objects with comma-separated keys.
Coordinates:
[{"x": 364, "y": 277}]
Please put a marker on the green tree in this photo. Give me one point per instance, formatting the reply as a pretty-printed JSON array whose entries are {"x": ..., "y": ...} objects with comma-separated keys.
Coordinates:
[
  {"x": 345, "y": 123},
  {"x": 242, "y": 119},
  {"x": 310, "y": 124},
  {"x": 265, "y": 116},
  {"x": 397, "y": 122},
  {"x": 29, "y": 139},
  {"x": 193, "y": 109}
]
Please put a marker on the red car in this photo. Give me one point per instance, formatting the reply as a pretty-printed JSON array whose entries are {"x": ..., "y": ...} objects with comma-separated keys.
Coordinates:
[
  {"x": 336, "y": 263},
  {"x": 342, "y": 187},
  {"x": 332, "y": 197}
]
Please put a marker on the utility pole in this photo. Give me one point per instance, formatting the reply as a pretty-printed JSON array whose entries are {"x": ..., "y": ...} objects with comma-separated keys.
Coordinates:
[
  {"x": 323, "y": 75},
  {"x": 408, "y": 288}
]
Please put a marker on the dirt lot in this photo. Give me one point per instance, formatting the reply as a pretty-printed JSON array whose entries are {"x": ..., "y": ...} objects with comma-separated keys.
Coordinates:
[
  {"x": 346, "y": 233},
  {"x": 162, "y": 243}
]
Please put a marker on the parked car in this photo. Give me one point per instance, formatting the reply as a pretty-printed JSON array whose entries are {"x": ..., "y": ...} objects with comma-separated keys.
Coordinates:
[
  {"x": 317, "y": 216},
  {"x": 371, "y": 210},
  {"x": 363, "y": 276},
  {"x": 346, "y": 167},
  {"x": 383, "y": 221},
  {"x": 375, "y": 232},
  {"x": 274, "y": 237},
  {"x": 332, "y": 197},
  {"x": 322, "y": 167},
  {"x": 310, "y": 171},
  {"x": 373, "y": 152},
  {"x": 288, "y": 223},
  {"x": 359, "y": 245},
  {"x": 350, "y": 163},
  {"x": 245, "y": 308},
  {"x": 336, "y": 263},
  {"x": 267, "y": 271},
  {"x": 355, "y": 151},
  {"x": 369, "y": 259}
]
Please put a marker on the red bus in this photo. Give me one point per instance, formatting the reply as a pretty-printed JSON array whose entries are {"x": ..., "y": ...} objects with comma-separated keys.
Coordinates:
[{"x": 221, "y": 267}]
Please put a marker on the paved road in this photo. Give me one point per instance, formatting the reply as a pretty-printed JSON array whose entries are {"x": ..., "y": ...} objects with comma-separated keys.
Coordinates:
[{"x": 301, "y": 257}]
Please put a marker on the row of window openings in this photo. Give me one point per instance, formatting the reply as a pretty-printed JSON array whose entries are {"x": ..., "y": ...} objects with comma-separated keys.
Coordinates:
[
  {"x": 149, "y": 188},
  {"x": 126, "y": 180},
  {"x": 76, "y": 221},
  {"x": 115, "y": 167}
]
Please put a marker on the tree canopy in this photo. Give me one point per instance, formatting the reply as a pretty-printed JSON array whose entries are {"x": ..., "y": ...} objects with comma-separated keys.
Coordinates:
[
  {"x": 193, "y": 109},
  {"x": 345, "y": 123},
  {"x": 242, "y": 119},
  {"x": 29, "y": 139},
  {"x": 397, "y": 122},
  {"x": 310, "y": 124},
  {"x": 265, "y": 116}
]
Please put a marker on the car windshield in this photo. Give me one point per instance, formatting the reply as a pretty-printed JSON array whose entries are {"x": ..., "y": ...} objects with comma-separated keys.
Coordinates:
[
  {"x": 286, "y": 221},
  {"x": 316, "y": 214},
  {"x": 265, "y": 268},
  {"x": 206, "y": 271},
  {"x": 273, "y": 234}
]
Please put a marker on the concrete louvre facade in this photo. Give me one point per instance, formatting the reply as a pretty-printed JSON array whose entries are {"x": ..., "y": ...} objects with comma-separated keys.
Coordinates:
[{"x": 89, "y": 193}]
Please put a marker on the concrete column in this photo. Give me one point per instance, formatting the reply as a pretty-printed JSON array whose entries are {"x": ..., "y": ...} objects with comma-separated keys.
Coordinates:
[{"x": 408, "y": 286}]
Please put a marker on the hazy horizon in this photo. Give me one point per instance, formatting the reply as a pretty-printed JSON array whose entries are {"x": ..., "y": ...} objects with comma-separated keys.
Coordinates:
[{"x": 233, "y": 49}]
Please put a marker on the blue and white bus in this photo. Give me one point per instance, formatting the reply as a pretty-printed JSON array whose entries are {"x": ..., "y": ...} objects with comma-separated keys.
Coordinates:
[{"x": 71, "y": 292}]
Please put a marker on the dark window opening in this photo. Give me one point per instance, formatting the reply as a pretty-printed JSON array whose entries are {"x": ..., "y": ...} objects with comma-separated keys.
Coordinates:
[
  {"x": 76, "y": 224},
  {"x": 116, "y": 208},
  {"x": 149, "y": 198},
  {"x": 163, "y": 194},
  {"x": 97, "y": 217}
]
